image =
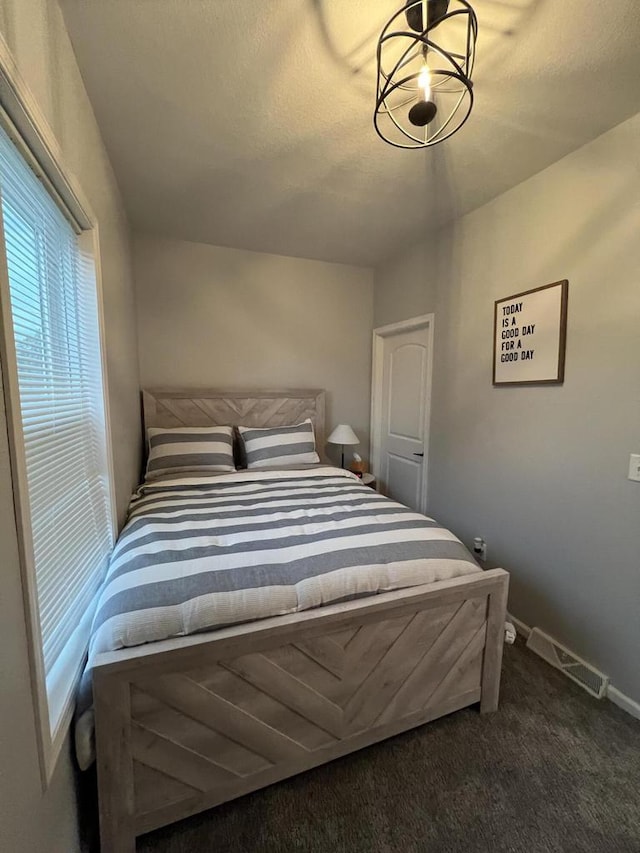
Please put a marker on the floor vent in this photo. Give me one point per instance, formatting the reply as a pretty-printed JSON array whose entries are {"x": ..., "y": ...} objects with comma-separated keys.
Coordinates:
[{"x": 578, "y": 670}]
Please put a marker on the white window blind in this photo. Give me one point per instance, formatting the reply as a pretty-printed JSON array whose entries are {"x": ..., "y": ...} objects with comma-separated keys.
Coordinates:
[{"x": 54, "y": 316}]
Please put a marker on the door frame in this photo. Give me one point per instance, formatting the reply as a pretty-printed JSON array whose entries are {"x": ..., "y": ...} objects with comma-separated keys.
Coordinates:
[{"x": 424, "y": 321}]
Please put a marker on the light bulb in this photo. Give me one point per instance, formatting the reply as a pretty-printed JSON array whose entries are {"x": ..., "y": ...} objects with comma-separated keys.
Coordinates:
[
  {"x": 424, "y": 110},
  {"x": 424, "y": 82}
]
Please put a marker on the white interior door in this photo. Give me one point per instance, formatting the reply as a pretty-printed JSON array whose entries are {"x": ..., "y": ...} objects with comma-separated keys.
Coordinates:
[{"x": 401, "y": 408}]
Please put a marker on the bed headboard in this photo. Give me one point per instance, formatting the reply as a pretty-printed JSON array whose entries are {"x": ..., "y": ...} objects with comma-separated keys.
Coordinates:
[{"x": 204, "y": 407}]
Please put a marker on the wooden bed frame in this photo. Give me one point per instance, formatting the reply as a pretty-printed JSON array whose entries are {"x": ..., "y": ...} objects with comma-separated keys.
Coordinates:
[{"x": 182, "y": 728}]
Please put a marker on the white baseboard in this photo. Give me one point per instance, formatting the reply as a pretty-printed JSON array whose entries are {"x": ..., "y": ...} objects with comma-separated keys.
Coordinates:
[
  {"x": 521, "y": 628},
  {"x": 613, "y": 694},
  {"x": 625, "y": 702}
]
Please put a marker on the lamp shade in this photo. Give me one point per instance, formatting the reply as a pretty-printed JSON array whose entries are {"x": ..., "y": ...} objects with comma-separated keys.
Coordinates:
[{"x": 343, "y": 434}]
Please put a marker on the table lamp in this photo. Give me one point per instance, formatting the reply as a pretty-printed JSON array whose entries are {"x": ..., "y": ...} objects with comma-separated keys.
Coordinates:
[{"x": 343, "y": 434}]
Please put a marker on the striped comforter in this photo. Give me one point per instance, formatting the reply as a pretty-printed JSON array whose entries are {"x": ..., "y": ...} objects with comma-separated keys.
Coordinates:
[{"x": 201, "y": 553}]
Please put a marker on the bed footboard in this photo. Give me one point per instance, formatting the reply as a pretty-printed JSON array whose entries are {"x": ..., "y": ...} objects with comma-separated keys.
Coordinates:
[{"x": 179, "y": 730}]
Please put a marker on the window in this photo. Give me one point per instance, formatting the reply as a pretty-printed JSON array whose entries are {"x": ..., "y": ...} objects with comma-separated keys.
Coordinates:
[{"x": 56, "y": 403}]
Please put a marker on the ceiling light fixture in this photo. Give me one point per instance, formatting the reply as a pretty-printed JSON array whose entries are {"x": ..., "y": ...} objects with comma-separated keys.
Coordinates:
[{"x": 425, "y": 61}]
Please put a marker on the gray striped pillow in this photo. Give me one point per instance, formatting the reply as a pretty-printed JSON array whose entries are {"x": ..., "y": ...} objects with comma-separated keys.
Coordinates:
[
  {"x": 195, "y": 450},
  {"x": 291, "y": 445}
]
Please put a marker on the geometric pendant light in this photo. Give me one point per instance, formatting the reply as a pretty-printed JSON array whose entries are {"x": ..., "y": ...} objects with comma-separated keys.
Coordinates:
[{"x": 425, "y": 59}]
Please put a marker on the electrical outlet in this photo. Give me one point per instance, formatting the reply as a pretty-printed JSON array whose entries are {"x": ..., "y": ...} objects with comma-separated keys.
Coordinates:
[
  {"x": 480, "y": 549},
  {"x": 634, "y": 467}
]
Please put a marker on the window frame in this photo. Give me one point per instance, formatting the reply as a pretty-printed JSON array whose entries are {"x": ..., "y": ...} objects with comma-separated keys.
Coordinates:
[{"x": 29, "y": 131}]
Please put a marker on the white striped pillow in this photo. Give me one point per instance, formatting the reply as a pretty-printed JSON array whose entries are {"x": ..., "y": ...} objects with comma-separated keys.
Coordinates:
[
  {"x": 195, "y": 450},
  {"x": 291, "y": 445}
]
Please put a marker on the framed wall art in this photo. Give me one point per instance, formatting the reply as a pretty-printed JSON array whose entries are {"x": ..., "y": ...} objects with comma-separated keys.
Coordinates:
[{"x": 529, "y": 336}]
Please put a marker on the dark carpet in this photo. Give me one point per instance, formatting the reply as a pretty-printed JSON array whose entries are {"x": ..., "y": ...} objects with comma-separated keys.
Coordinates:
[{"x": 552, "y": 770}]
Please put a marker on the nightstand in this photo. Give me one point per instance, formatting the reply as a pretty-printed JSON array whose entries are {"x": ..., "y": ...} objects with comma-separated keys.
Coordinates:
[{"x": 369, "y": 480}]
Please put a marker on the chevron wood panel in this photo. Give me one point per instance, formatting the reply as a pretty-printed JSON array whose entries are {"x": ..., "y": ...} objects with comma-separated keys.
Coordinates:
[
  {"x": 342, "y": 637},
  {"x": 292, "y": 659},
  {"x": 175, "y": 408},
  {"x": 158, "y": 717},
  {"x": 256, "y": 702},
  {"x": 153, "y": 790},
  {"x": 220, "y": 725},
  {"x": 182, "y": 729}
]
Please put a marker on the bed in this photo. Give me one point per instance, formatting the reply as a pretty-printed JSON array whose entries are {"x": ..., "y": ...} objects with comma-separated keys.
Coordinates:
[{"x": 184, "y": 724}]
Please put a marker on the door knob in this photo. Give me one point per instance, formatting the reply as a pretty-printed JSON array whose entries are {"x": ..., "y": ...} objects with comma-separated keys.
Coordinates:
[{"x": 418, "y": 454}]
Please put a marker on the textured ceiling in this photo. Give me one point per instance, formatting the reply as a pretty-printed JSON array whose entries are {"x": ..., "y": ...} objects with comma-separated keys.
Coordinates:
[{"x": 249, "y": 124}]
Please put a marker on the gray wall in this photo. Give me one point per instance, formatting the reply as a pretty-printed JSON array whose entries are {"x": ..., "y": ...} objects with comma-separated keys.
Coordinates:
[
  {"x": 228, "y": 318},
  {"x": 541, "y": 472},
  {"x": 406, "y": 286},
  {"x": 31, "y": 821}
]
